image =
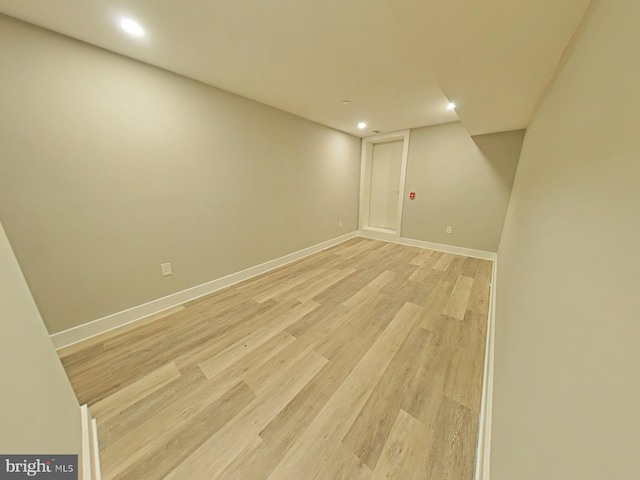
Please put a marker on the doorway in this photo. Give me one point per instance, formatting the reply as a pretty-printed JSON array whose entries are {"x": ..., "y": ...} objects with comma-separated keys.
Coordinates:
[
  {"x": 386, "y": 162},
  {"x": 383, "y": 173}
]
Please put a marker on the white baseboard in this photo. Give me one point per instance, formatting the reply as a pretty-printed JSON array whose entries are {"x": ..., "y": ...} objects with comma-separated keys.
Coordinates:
[
  {"x": 385, "y": 231},
  {"x": 95, "y": 451},
  {"x": 378, "y": 234},
  {"x": 483, "y": 453},
  {"x": 453, "y": 249},
  {"x": 104, "y": 324},
  {"x": 90, "y": 467}
]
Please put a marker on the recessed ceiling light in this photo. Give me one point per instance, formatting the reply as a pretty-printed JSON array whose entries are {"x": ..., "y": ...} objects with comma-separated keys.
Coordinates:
[
  {"x": 362, "y": 125},
  {"x": 346, "y": 102},
  {"x": 451, "y": 106},
  {"x": 131, "y": 27}
]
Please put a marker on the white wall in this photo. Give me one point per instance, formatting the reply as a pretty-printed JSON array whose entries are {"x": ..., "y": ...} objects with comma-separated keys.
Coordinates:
[
  {"x": 111, "y": 167},
  {"x": 39, "y": 413},
  {"x": 459, "y": 180},
  {"x": 567, "y": 360}
]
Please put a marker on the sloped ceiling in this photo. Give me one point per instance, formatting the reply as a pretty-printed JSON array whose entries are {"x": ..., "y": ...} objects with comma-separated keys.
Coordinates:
[{"x": 398, "y": 62}]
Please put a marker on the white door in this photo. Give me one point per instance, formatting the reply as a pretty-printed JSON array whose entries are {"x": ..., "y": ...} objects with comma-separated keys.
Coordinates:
[{"x": 386, "y": 164}]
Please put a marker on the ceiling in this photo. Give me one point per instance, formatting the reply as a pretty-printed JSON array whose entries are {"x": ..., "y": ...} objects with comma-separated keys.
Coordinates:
[{"x": 398, "y": 62}]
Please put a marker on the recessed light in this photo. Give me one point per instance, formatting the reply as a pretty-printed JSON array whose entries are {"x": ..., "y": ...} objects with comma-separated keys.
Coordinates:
[
  {"x": 451, "y": 106},
  {"x": 131, "y": 27},
  {"x": 362, "y": 125},
  {"x": 346, "y": 102}
]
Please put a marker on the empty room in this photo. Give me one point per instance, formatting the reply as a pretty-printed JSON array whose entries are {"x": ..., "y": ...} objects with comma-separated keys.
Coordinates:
[{"x": 384, "y": 239}]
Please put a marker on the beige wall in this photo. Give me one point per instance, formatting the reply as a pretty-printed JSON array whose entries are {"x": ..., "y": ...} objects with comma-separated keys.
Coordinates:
[
  {"x": 461, "y": 181},
  {"x": 567, "y": 394},
  {"x": 39, "y": 412},
  {"x": 111, "y": 167}
]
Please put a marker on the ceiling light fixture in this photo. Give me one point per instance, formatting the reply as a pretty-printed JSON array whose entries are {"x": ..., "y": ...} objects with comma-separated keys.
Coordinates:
[
  {"x": 451, "y": 106},
  {"x": 346, "y": 102},
  {"x": 131, "y": 27},
  {"x": 362, "y": 125}
]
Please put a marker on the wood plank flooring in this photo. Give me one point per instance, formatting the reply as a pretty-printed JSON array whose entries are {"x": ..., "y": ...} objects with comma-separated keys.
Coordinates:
[{"x": 363, "y": 361}]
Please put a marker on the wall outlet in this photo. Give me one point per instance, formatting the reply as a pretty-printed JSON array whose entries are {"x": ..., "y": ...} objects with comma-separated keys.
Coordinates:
[
  {"x": 449, "y": 229},
  {"x": 166, "y": 269},
  {"x": 339, "y": 223}
]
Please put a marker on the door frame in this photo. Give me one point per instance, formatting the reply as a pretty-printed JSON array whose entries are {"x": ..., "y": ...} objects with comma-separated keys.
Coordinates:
[{"x": 366, "y": 159}]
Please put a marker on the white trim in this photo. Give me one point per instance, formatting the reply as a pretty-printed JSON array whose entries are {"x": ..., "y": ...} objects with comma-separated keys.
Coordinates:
[
  {"x": 363, "y": 211},
  {"x": 90, "y": 468},
  {"x": 483, "y": 453},
  {"x": 403, "y": 180},
  {"x": 104, "y": 324},
  {"x": 453, "y": 249},
  {"x": 95, "y": 451},
  {"x": 85, "y": 468},
  {"x": 378, "y": 234},
  {"x": 365, "y": 176},
  {"x": 387, "y": 231}
]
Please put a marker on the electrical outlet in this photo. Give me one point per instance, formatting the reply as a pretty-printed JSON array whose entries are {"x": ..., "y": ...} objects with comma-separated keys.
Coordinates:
[
  {"x": 449, "y": 229},
  {"x": 339, "y": 223},
  {"x": 166, "y": 269}
]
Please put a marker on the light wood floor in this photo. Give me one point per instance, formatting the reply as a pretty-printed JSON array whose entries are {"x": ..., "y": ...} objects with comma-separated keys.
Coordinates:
[{"x": 364, "y": 361}]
